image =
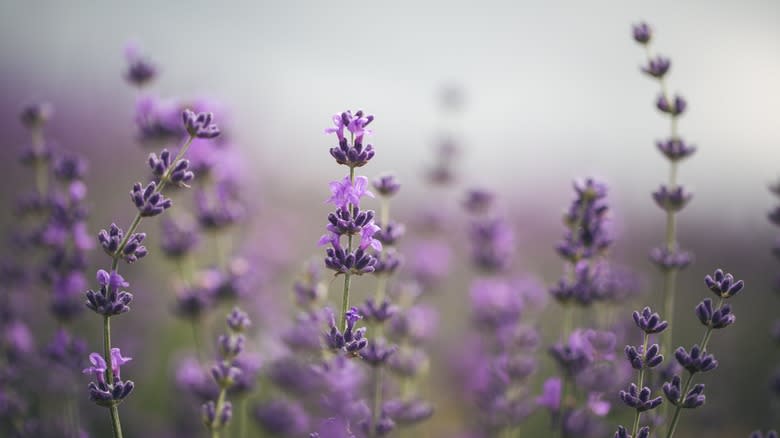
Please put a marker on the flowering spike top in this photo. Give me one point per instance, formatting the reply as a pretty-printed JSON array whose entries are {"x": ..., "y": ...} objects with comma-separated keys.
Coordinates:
[
  {"x": 140, "y": 70},
  {"x": 199, "y": 125},
  {"x": 238, "y": 321},
  {"x": 723, "y": 284},
  {"x": 163, "y": 166},
  {"x": 36, "y": 114},
  {"x": 649, "y": 322},
  {"x": 354, "y": 154},
  {"x": 657, "y": 67},
  {"x": 642, "y": 33}
]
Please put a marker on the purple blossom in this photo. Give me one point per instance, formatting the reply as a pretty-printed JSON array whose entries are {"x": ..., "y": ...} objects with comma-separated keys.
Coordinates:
[
  {"x": 109, "y": 300},
  {"x": 345, "y": 193},
  {"x": 642, "y": 33},
  {"x": 551, "y": 394},
  {"x": 199, "y": 125}
]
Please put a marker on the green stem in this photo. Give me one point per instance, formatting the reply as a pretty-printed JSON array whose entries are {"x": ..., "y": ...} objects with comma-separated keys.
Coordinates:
[
  {"x": 242, "y": 418},
  {"x": 116, "y": 424},
  {"x": 640, "y": 384},
  {"x": 377, "y": 409},
  {"x": 347, "y": 276},
  {"x": 568, "y": 320},
  {"x": 218, "y": 411}
]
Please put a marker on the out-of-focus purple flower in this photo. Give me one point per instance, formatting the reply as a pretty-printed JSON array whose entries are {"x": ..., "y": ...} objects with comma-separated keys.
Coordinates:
[
  {"x": 158, "y": 121},
  {"x": 667, "y": 260},
  {"x": 492, "y": 244},
  {"x": 36, "y": 114},
  {"x": 478, "y": 201},
  {"x": 377, "y": 352},
  {"x": 70, "y": 167},
  {"x": 378, "y": 313},
  {"x": 386, "y": 185},
  {"x": 430, "y": 261},
  {"x": 18, "y": 338},
  {"x": 140, "y": 71},
  {"x": 551, "y": 394},
  {"x": 191, "y": 302},
  {"x": 177, "y": 239},
  {"x": 282, "y": 418},
  {"x": 672, "y": 200},
  {"x": 598, "y": 406},
  {"x": 66, "y": 350},
  {"x": 675, "y": 149},
  {"x": 642, "y": 33},
  {"x": 408, "y": 412},
  {"x": 417, "y": 323},
  {"x": 657, "y": 67},
  {"x": 495, "y": 303},
  {"x": 759, "y": 434},
  {"x": 191, "y": 377},
  {"x": 674, "y": 108}
]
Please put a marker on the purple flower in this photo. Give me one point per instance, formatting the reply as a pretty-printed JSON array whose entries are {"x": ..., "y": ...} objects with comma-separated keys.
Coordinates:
[
  {"x": 345, "y": 192},
  {"x": 657, "y": 67},
  {"x": 723, "y": 284},
  {"x": 675, "y": 149},
  {"x": 139, "y": 71},
  {"x": 667, "y": 260},
  {"x": 163, "y": 167},
  {"x": 386, "y": 185},
  {"x": 693, "y": 399},
  {"x": 674, "y": 108},
  {"x": 716, "y": 318},
  {"x": 176, "y": 239},
  {"x": 282, "y": 418},
  {"x": 672, "y": 200},
  {"x": 408, "y": 412},
  {"x": 377, "y": 352},
  {"x": 148, "y": 200},
  {"x": 642, "y": 33},
  {"x": 495, "y": 303},
  {"x": 199, "y": 125},
  {"x": 478, "y": 201},
  {"x": 649, "y": 322},
  {"x": 355, "y": 124},
  {"x": 109, "y": 300},
  {"x": 640, "y": 399},
  {"x": 696, "y": 361},
  {"x": 551, "y": 394},
  {"x": 103, "y": 393},
  {"x": 351, "y": 340},
  {"x": 352, "y": 155}
]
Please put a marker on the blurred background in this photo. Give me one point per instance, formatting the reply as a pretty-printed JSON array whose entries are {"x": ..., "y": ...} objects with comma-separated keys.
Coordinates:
[{"x": 546, "y": 92}]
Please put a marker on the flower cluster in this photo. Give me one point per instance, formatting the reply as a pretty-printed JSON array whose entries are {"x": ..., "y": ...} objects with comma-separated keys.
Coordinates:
[
  {"x": 642, "y": 358},
  {"x": 217, "y": 414},
  {"x": 110, "y": 389}
]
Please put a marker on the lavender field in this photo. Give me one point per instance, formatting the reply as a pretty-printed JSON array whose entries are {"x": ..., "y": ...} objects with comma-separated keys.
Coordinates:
[{"x": 406, "y": 219}]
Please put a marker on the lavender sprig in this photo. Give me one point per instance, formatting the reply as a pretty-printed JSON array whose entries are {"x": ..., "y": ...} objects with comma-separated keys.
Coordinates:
[
  {"x": 345, "y": 195},
  {"x": 126, "y": 245},
  {"x": 670, "y": 197},
  {"x": 217, "y": 415},
  {"x": 683, "y": 396}
]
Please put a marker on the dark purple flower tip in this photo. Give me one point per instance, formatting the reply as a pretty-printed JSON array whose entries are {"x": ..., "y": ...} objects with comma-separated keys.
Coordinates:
[
  {"x": 478, "y": 201},
  {"x": 696, "y": 361},
  {"x": 667, "y": 260},
  {"x": 377, "y": 352},
  {"x": 649, "y": 322},
  {"x": 133, "y": 249},
  {"x": 386, "y": 185},
  {"x": 640, "y": 399},
  {"x": 715, "y": 318},
  {"x": 657, "y": 67},
  {"x": 672, "y": 200},
  {"x": 642, "y": 33},
  {"x": 572, "y": 358},
  {"x": 674, "y": 108},
  {"x": 759, "y": 434},
  {"x": 199, "y": 125},
  {"x": 36, "y": 114},
  {"x": 148, "y": 200},
  {"x": 164, "y": 168},
  {"x": 238, "y": 321},
  {"x": 675, "y": 149},
  {"x": 723, "y": 284},
  {"x": 640, "y": 360}
]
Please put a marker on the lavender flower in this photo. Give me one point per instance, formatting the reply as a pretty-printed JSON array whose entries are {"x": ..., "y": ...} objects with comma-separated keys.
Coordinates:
[
  {"x": 109, "y": 391},
  {"x": 140, "y": 71}
]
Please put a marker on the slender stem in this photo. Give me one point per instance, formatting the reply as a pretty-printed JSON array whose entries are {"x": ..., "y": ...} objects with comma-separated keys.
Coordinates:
[
  {"x": 116, "y": 424},
  {"x": 347, "y": 276},
  {"x": 640, "y": 384},
  {"x": 568, "y": 320},
  {"x": 242, "y": 418},
  {"x": 41, "y": 170},
  {"x": 196, "y": 340},
  {"x": 218, "y": 410}
]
